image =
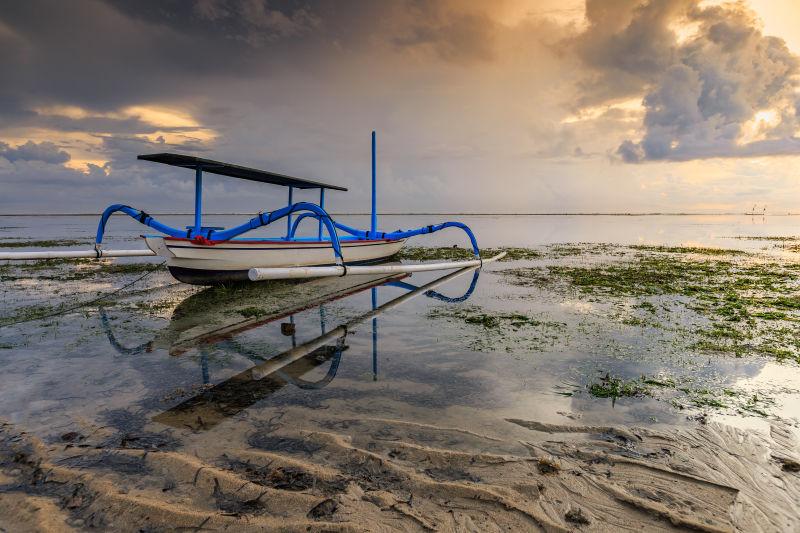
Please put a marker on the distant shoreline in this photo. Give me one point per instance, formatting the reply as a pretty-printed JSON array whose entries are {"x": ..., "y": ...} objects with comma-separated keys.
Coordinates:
[{"x": 582, "y": 214}]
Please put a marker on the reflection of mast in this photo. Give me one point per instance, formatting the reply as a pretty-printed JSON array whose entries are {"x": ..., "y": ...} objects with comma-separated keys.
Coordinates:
[
  {"x": 374, "y": 291},
  {"x": 246, "y": 388},
  {"x": 204, "y": 365}
]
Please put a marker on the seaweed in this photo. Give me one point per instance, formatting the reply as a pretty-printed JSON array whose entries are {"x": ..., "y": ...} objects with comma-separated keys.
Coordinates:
[
  {"x": 371, "y": 474},
  {"x": 42, "y": 244},
  {"x": 419, "y": 253},
  {"x": 231, "y": 505},
  {"x": 611, "y": 387},
  {"x": 251, "y": 312},
  {"x": 739, "y": 301},
  {"x": 779, "y": 238},
  {"x": 498, "y": 329},
  {"x": 111, "y": 460},
  {"x": 687, "y": 250},
  {"x": 290, "y": 445}
]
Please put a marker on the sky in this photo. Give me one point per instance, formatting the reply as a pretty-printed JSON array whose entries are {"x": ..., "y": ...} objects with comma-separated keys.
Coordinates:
[{"x": 505, "y": 106}]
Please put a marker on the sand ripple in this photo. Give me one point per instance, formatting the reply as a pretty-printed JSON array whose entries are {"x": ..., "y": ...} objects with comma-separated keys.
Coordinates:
[{"x": 378, "y": 474}]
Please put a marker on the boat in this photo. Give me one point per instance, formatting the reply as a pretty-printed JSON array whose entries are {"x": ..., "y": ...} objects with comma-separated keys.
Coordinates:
[{"x": 208, "y": 255}]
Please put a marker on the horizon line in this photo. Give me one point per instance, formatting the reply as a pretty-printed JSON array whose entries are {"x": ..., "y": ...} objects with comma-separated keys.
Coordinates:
[{"x": 544, "y": 213}]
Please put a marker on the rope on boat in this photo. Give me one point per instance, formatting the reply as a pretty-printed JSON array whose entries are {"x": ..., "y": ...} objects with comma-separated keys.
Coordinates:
[{"x": 87, "y": 303}]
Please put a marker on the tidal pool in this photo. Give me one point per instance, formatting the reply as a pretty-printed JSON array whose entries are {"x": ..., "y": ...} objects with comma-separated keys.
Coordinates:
[{"x": 551, "y": 390}]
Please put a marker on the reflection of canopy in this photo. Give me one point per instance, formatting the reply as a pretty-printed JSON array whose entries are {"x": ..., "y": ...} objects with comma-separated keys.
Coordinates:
[
  {"x": 235, "y": 171},
  {"x": 239, "y": 392}
]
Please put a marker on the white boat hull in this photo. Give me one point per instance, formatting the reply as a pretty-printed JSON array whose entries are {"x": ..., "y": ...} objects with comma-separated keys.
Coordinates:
[{"x": 192, "y": 262}]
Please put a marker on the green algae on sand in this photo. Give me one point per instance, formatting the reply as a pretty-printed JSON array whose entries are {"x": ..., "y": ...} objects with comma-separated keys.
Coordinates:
[
  {"x": 501, "y": 330},
  {"x": 419, "y": 253}
]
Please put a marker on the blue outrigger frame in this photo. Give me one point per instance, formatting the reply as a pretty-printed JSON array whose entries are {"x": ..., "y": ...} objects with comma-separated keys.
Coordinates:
[{"x": 200, "y": 234}]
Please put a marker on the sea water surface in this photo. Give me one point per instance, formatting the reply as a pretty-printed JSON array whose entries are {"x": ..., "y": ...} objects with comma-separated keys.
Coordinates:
[
  {"x": 92, "y": 362},
  {"x": 491, "y": 230}
]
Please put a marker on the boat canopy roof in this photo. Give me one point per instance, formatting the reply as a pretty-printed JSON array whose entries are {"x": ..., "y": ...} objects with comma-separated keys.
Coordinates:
[{"x": 236, "y": 171}]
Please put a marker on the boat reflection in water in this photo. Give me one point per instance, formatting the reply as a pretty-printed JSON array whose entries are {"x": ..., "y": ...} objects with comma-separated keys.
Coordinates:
[{"x": 207, "y": 320}]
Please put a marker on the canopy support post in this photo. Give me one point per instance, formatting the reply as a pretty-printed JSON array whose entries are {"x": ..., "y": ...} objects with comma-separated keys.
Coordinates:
[
  {"x": 373, "y": 226},
  {"x": 198, "y": 201},
  {"x": 322, "y": 205},
  {"x": 289, "y": 216}
]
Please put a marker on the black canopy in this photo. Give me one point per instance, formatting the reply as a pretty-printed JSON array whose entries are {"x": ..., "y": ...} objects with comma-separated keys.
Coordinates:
[{"x": 236, "y": 171}]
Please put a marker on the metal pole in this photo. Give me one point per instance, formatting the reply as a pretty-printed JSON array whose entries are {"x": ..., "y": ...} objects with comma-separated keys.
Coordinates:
[
  {"x": 322, "y": 205},
  {"x": 289, "y": 217},
  {"x": 374, "y": 220},
  {"x": 198, "y": 201}
]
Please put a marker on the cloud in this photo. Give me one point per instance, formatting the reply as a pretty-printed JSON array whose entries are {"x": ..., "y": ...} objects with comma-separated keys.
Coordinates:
[
  {"x": 462, "y": 37},
  {"x": 45, "y": 152},
  {"x": 462, "y": 93},
  {"x": 260, "y": 23},
  {"x": 283, "y": 85},
  {"x": 704, "y": 95}
]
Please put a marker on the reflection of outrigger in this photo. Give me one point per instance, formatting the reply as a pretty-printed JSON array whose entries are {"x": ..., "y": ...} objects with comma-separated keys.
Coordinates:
[
  {"x": 270, "y": 375},
  {"x": 218, "y": 314}
]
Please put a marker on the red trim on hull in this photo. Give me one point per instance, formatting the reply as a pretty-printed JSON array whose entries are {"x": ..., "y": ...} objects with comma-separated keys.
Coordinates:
[{"x": 241, "y": 241}]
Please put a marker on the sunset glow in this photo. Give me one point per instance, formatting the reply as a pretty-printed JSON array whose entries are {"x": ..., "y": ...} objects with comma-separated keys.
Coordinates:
[{"x": 597, "y": 96}]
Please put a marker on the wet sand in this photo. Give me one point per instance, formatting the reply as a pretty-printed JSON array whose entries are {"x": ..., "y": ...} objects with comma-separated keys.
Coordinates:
[
  {"x": 448, "y": 414},
  {"x": 339, "y": 469}
]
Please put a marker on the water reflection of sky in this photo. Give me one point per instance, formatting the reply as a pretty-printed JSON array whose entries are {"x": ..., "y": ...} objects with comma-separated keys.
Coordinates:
[{"x": 84, "y": 365}]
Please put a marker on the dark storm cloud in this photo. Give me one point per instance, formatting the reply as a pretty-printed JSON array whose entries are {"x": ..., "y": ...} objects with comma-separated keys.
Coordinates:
[
  {"x": 103, "y": 56},
  {"x": 73, "y": 72},
  {"x": 93, "y": 55},
  {"x": 699, "y": 94}
]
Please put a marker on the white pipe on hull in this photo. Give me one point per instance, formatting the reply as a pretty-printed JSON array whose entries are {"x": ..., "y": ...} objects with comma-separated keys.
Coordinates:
[
  {"x": 258, "y": 274},
  {"x": 74, "y": 254}
]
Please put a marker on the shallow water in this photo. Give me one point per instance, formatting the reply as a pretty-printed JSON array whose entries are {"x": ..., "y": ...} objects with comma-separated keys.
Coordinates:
[
  {"x": 492, "y": 230},
  {"x": 161, "y": 364},
  {"x": 66, "y": 366}
]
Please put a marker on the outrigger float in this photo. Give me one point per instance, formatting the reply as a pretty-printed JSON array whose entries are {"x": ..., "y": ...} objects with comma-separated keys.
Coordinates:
[{"x": 206, "y": 255}]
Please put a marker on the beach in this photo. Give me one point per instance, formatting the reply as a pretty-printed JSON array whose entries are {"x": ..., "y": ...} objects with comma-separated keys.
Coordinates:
[{"x": 592, "y": 381}]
